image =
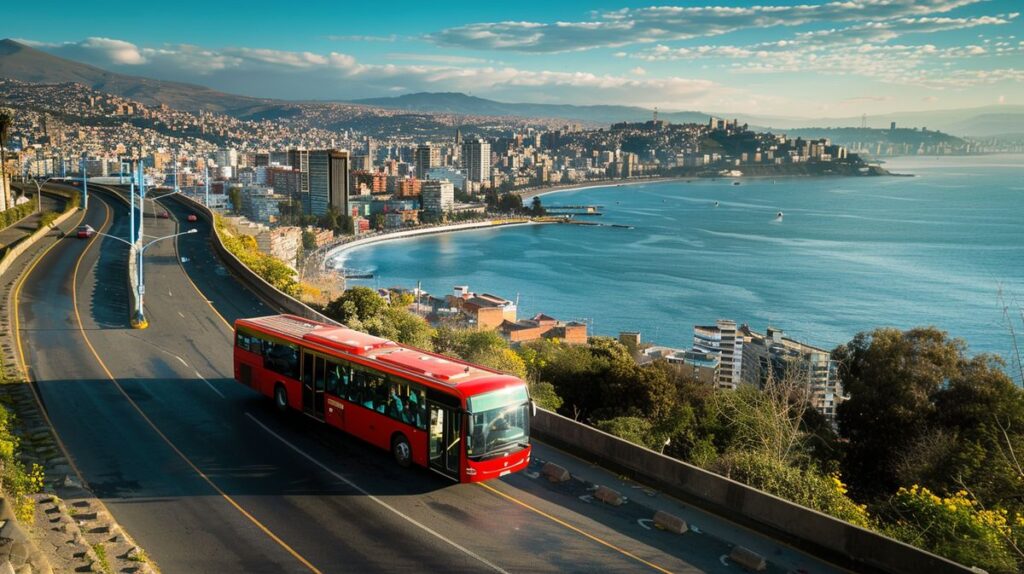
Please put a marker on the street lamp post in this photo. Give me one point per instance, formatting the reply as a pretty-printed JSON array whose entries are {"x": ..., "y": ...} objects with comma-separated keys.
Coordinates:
[
  {"x": 39, "y": 193},
  {"x": 140, "y": 250}
]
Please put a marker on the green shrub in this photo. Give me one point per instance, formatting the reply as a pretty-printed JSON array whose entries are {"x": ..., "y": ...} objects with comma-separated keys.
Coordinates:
[
  {"x": 18, "y": 482},
  {"x": 47, "y": 219}
]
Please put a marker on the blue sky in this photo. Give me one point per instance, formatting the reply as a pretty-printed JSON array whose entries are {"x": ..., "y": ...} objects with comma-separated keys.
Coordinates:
[{"x": 807, "y": 58}]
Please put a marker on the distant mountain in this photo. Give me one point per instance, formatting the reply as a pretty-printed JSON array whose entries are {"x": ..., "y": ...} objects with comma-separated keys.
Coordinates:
[
  {"x": 978, "y": 122},
  {"x": 24, "y": 63},
  {"x": 459, "y": 103}
]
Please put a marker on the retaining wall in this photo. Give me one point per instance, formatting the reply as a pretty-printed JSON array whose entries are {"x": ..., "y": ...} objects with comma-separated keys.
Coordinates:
[
  {"x": 272, "y": 295},
  {"x": 14, "y": 252}
]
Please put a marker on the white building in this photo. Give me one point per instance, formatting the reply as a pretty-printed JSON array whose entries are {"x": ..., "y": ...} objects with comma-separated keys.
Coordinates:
[
  {"x": 438, "y": 196},
  {"x": 476, "y": 160},
  {"x": 722, "y": 340}
]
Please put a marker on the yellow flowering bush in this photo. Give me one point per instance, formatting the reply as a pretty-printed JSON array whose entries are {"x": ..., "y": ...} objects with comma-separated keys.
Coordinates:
[{"x": 955, "y": 527}]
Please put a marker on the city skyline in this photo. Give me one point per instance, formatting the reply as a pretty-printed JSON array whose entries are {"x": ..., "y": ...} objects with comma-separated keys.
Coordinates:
[{"x": 826, "y": 59}]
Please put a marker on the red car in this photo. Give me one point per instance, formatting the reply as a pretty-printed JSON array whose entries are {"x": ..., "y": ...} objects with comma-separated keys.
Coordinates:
[
  {"x": 85, "y": 231},
  {"x": 192, "y": 217}
]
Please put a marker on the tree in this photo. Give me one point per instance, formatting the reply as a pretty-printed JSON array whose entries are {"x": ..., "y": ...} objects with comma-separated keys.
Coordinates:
[
  {"x": 6, "y": 121},
  {"x": 536, "y": 207},
  {"x": 356, "y": 305},
  {"x": 378, "y": 221},
  {"x": 235, "y": 195},
  {"x": 362, "y": 309},
  {"x": 891, "y": 377},
  {"x": 308, "y": 240}
]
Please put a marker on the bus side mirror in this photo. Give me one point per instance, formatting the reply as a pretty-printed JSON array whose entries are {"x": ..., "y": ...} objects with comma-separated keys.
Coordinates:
[{"x": 533, "y": 407}]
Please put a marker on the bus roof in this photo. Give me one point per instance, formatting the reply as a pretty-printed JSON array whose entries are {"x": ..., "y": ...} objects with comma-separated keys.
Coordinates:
[{"x": 469, "y": 379}]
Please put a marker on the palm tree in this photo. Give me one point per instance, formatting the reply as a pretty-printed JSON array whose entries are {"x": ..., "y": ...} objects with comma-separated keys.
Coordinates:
[{"x": 6, "y": 119}]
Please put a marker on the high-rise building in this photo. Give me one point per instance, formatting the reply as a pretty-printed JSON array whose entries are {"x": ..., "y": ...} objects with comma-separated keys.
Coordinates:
[
  {"x": 328, "y": 181},
  {"x": 226, "y": 157},
  {"x": 438, "y": 196},
  {"x": 722, "y": 340},
  {"x": 476, "y": 160},
  {"x": 299, "y": 160},
  {"x": 773, "y": 356},
  {"x": 426, "y": 157}
]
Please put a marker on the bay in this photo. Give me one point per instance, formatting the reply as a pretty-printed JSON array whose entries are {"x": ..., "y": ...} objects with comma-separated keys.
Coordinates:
[{"x": 850, "y": 254}]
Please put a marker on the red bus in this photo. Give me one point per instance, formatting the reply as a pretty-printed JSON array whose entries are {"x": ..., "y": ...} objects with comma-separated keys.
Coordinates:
[{"x": 466, "y": 422}]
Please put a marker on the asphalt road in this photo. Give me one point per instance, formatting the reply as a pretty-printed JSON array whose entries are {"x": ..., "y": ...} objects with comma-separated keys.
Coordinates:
[
  {"x": 208, "y": 478},
  {"x": 28, "y": 225}
]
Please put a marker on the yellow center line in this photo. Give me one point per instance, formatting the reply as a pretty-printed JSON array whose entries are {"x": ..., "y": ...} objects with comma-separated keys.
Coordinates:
[
  {"x": 231, "y": 501},
  {"x": 557, "y": 520},
  {"x": 26, "y": 372}
]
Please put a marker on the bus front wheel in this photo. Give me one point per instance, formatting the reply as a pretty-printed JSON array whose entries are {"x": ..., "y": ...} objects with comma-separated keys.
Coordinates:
[
  {"x": 280, "y": 398},
  {"x": 402, "y": 451}
]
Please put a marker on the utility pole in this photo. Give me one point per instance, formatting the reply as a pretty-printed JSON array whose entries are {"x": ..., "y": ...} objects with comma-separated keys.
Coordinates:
[
  {"x": 207, "y": 181},
  {"x": 85, "y": 186},
  {"x": 131, "y": 208}
]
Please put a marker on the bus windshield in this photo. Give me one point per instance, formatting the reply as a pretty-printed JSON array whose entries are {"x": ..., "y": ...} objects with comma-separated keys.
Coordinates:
[{"x": 498, "y": 421}]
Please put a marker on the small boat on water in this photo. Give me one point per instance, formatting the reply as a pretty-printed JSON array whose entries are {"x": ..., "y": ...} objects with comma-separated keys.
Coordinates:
[
  {"x": 778, "y": 216},
  {"x": 735, "y": 183},
  {"x": 716, "y": 204}
]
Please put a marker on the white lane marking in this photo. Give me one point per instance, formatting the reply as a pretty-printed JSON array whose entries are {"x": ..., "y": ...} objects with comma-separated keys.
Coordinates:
[
  {"x": 645, "y": 523},
  {"x": 533, "y": 475},
  {"x": 587, "y": 498},
  {"x": 182, "y": 361},
  {"x": 724, "y": 559},
  {"x": 209, "y": 384},
  {"x": 353, "y": 485},
  {"x": 181, "y": 314}
]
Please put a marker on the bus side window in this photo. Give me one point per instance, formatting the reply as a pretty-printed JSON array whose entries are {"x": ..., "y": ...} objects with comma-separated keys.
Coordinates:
[
  {"x": 357, "y": 390},
  {"x": 242, "y": 340},
  {"x": 281, "y": 358},
  {"x": 337, "y": 378},
  {"x": 418, "y": 407},
  {"x": 398, "y": 400},
  {"x": 256, "y": 345}
]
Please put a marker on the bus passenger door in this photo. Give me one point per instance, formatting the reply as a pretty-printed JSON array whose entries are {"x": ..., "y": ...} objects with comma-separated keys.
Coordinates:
[
  {"x": 445, "y": 440},
  {"x": 313, "y": 385},
  {"x": 308, "y": 372}
]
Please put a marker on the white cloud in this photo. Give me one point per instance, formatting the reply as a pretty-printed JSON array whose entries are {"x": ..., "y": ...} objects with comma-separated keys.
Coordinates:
[
  {"x": 667, "y": 23},
  {"x": 95, "y": 50},
  {"x": 303, "y": 75}
]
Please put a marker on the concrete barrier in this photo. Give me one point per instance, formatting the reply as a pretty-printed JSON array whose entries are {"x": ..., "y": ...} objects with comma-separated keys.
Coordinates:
[
  {"x": 840, "y": 542},
  {"x": 670, "y": 522},
  {"x": 133, "y": 274},
  {"x": 16, "y": 251},
  {"x": 270, "y": 294},
  {"x": 555, "y": 473},
  {"x": 748, "y": 559},
  {"x": 609, "y": 496}
]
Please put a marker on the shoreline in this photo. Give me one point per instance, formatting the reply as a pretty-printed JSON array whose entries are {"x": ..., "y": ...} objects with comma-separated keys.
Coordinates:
[{"x": 333, "y": 255}]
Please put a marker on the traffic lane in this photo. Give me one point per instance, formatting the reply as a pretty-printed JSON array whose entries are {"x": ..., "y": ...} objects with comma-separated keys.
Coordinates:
[
  {"x": 211, "y": 276},
  {"x": 29, "y": 224},
  {"x": 304, "y": 507},
  {"x": 701, "y": 523},
  {"x": 117, "y": 454}
]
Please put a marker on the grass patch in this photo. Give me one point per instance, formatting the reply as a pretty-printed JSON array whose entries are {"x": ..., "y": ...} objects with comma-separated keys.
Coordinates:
[{"x": 101, "y": 555}]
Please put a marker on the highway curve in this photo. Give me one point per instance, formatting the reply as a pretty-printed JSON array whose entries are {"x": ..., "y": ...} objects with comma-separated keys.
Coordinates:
[{"x": 208, "y": 478}]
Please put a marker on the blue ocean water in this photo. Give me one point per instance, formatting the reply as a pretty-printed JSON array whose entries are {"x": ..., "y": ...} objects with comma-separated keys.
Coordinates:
[{"x": 850, "y": 254}]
